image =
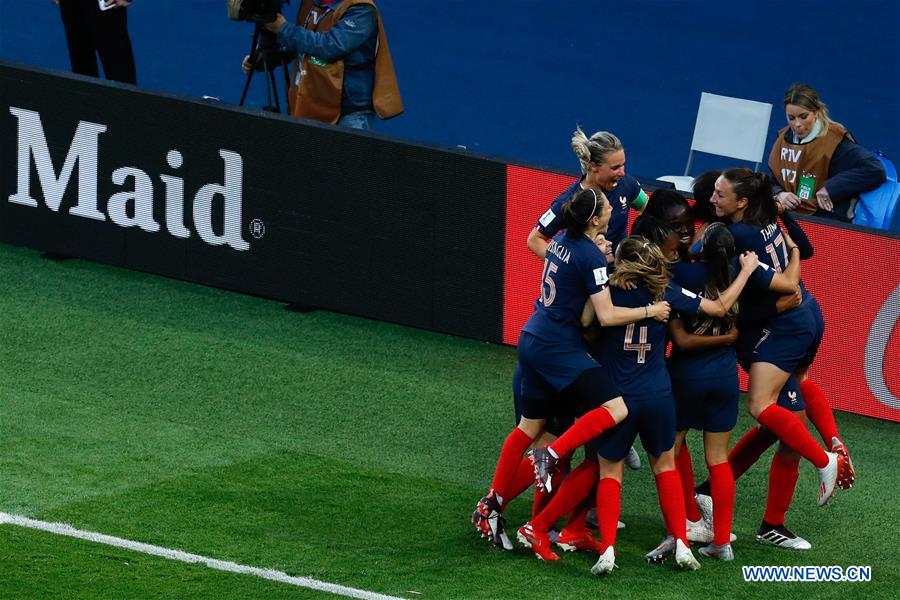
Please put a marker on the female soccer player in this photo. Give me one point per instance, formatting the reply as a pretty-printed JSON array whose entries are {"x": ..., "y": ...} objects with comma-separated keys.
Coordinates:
[
  {"x": 703, "y": 367},
  {"x": 757, "y": 440},
  {"x": 558, "y": 375},
  {"x": 635, "y": 354},
  {"x": 781, "y": 344},
  {"x": 602, "y": 161},
  {"x": 658, "y": 231},
  {"x": 670, "y": 207},
  {"x": 637, "y": 359}
]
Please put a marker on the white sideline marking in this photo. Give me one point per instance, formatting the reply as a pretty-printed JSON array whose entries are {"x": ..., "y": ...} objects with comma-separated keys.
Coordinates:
[{"x": 212, "y": 563}]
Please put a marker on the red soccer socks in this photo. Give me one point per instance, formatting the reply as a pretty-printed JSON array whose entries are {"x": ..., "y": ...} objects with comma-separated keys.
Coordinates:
[
  {"x": 819, "y": 411},
  {"x": 686, "y": 473},
  {"x": 749, "y": 448},
  {"x": 576, "y": 487},
  {"x": 671, "y": 501},
  {"x": 609, "y": 506},
  {"x": 514, "y": 447},
  {"x": 790, "y": 430},
  {"x": 722, "y": 483},
  {"x": 586, "y": 428},
  {"x": 782, "y": 480}
]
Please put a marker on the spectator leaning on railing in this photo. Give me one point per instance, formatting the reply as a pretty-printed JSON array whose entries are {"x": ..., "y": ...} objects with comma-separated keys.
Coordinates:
[
  {"x": 818, "y": 167},
  {"x": 344, "y": 73}
]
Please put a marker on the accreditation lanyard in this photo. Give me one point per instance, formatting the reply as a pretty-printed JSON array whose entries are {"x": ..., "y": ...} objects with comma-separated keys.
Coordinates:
[{"x": 316, "y": 14}]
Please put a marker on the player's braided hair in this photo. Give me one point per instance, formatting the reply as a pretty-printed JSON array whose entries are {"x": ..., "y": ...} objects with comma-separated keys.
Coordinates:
[
  {"x": 640, "y": 261},
  {"x": 593, "y": 150},
  {"x": 656, "y": 230},
  {"x": 663, "y": 201}
]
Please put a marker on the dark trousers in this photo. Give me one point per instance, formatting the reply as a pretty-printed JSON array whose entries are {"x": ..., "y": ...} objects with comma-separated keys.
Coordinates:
[{"x": 90, "y": 31}]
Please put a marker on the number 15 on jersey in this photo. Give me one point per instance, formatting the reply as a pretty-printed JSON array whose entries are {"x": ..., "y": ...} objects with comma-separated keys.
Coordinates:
[{"x": 548, "y": 286}]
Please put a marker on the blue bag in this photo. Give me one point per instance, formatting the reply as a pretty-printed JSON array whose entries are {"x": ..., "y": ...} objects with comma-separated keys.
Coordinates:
[{"x": 880, "y": 208}]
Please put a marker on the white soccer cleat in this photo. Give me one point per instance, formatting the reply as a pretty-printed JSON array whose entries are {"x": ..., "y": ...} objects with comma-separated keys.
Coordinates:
[
  {"x": 828, "y": 478},
  {"x": 781, "y": 536},
  {"x": 498, "y": 529},
  {"x": 723, "y": 552},
  {"x": 699, "y": 532},
  {"x": 705, "y": 506},
  {"x": 684, "y": 558},
  {"x": 606, "y": 563},
  {"x": 633, "y": 459}
]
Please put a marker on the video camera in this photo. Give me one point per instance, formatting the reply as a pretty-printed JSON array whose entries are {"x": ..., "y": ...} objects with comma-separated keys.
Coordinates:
[{"x": 255, "y": 11}]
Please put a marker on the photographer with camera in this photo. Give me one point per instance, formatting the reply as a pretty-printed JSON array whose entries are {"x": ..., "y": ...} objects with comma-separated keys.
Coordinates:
[{"x": 343, "y": 71}]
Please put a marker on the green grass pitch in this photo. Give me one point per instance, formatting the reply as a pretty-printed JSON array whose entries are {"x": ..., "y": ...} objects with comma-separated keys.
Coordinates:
[{"x": 324, "y": 446}]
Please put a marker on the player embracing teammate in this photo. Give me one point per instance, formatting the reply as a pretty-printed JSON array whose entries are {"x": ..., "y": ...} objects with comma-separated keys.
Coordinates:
[{"x": 621, "y": 388}]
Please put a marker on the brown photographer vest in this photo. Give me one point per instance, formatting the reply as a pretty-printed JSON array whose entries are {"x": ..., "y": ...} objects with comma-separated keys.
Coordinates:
[
  {"x": 789, "y": 161},
  {"x": 319, "y": 94}
]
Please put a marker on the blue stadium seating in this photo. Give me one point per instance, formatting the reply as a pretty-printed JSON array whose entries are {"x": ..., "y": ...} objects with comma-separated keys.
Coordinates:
[{"x": 880, "y": 208}]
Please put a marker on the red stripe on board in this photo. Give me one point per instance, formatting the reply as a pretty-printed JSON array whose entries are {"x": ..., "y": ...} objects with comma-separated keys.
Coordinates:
[{"x": 529, "y": 193}]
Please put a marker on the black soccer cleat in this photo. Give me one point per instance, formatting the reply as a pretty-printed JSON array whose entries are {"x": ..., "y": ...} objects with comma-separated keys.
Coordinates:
[
  {"x": 781, "y": 536},
  {"x": 544, "y": 468},
  {"x": 489, "y": 521}
]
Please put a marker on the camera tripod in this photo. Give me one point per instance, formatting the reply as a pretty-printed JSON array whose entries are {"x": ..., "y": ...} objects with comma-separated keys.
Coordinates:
[{"x": 265, "y": 56}]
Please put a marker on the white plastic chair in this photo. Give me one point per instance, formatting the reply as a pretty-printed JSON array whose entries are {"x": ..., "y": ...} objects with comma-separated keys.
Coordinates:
[{"x": 726, "y": 126}]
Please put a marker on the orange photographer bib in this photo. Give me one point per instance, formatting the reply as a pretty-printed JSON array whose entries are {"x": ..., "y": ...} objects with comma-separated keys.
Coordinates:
[
  {"x": 789, "y": 161},
  {"x": 318, "y": 96}
]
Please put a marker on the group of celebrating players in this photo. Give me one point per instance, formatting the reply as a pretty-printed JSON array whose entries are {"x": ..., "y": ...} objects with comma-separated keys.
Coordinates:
[{"x": 720, "y": 280}]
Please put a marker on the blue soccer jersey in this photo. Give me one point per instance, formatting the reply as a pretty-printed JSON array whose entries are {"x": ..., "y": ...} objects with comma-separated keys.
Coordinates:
[
  {"x": 704, "y": 382},
  {"x": 786, "y": 340},
  {"x": 621, "y": 198},
  {"x": 635, "y": 353},
  {"x": 711, "y": 362},
  {"x": 550, "y": 222},
  {"x": 769, "y": 245},
  {"x": 635, "y": 359},
  {"x": 574, "y": 269}
]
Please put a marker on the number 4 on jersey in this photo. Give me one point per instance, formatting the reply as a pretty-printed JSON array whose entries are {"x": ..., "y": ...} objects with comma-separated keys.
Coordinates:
[{"x": 642, "y": 347}]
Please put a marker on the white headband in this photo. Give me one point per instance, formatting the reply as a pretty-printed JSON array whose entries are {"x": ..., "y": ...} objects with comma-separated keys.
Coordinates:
[{"x": 595, "y": 206}]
